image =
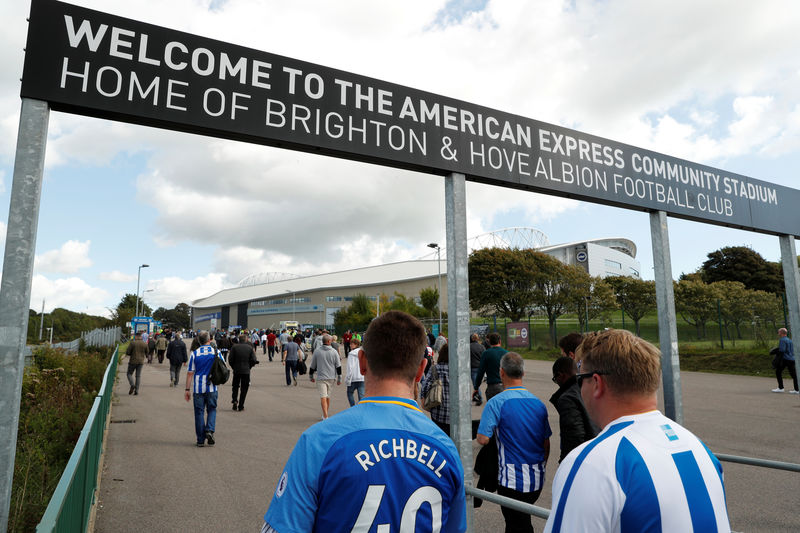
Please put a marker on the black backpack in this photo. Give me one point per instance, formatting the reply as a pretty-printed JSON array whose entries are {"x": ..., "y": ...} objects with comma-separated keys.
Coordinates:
[{"x": 220, "y": 373}]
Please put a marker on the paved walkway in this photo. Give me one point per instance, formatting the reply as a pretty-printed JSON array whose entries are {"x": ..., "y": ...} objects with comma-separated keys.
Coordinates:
[{"x": 155, "y": 479}]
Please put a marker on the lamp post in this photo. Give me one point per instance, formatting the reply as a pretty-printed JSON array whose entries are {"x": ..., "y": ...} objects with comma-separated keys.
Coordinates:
[
  {"x": 138, "y": 279},
  {"x": 142, "y": 299},
  {"x": 439, "y": 264},
  {"x": 294, "y": 304}
]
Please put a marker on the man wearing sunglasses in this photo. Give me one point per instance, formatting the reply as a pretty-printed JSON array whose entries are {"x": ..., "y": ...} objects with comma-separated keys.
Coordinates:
[{"x": 643, "y": 472}]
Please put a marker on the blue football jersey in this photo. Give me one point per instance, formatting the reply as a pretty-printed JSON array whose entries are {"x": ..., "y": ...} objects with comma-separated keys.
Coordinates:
[{"x": 379, "y": 467}]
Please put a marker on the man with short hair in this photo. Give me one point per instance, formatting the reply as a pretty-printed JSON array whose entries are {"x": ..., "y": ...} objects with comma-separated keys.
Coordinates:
[
  {"x": 380, "y": 462},
  {"x": 161, "y": 347},
  {"x": 786, "y": 349},
  {"x": 242, "y": 358},
  {"x": 176, "y": 355},
  {"x": 204, "y": 392},
  {"x": 490, "y": 365},
  {"x": 271, "y": 339},
  {"x": 354, "y": 379},
  {"x": 518, "y": 420},
  {"x": 476, "y": 349},
  {"x": 137, "y": 351},
  {"x": 643, "y": 472},
  {"x": 569, "y": 344},
  {"x": 575, "y": 426},
  {"x": 325, "y": 360}
]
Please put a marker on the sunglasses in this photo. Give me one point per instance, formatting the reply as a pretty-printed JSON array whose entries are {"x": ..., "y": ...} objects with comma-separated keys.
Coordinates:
[{"x": 580, "y": 377}]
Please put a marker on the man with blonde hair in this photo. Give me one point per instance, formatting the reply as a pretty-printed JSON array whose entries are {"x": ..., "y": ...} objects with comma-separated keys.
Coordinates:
[{"x": 643, "y": 472}]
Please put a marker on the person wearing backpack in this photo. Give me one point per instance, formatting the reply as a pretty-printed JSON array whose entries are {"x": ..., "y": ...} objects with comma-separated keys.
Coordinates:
[
  {"x": 200, "y": 389},
  {"x": 242, "y": 358}
]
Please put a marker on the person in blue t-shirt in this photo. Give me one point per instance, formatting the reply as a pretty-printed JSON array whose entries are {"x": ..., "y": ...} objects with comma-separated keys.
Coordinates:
[
  {"x": 518, "y": 421},
  {"x": 380, "y": 465}
]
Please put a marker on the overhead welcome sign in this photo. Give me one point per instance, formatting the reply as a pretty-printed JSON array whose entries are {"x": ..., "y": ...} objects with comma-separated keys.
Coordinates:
[{"x": 92, "y": 63}]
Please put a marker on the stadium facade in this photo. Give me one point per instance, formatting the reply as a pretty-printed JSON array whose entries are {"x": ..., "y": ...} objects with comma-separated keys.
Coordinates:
[{"x": 315, "y": 299}]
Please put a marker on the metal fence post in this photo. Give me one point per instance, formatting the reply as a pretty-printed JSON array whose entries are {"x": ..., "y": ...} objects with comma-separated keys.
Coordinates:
[
  {"x": 667, "y": 322},
  {"x": 458, "y": 326},
  {"x": 15, "y": 291}
]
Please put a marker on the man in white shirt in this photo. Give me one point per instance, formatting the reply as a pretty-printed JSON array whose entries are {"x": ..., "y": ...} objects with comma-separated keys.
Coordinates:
[{"x": 643, "y": 472}]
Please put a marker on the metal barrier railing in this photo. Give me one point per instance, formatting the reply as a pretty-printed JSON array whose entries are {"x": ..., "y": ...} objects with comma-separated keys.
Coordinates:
[
  {"x": 541, "y": 512},
  {"x": 72, "y": 501}
]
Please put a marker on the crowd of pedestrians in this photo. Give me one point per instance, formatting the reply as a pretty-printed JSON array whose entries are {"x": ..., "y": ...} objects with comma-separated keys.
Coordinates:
[{"x": 621, "y": 464}]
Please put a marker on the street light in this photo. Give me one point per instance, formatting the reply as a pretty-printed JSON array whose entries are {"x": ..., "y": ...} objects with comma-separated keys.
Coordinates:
[
  {"x": 439, "y": 264},
  {"x": 138, "y": 279},
  {"x": 143, "y": 293}
]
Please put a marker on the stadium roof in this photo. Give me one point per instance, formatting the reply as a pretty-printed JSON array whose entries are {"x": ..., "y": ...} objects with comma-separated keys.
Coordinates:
[
  {"x": 620, "y": 244},
  {"x": 358, "y": 277}
]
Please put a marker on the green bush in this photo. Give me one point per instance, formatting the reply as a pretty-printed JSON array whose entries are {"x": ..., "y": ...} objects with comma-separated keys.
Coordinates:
[{"x": 57, "y": 394}]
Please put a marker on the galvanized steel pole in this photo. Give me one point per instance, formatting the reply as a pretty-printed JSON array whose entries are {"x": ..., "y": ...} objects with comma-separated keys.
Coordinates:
[
  {"x": 15, "y": 291},
  {"x": 667, "y": 322},
  {"x": 458, "y": 326},
  {"x": 791, "y": 279}
]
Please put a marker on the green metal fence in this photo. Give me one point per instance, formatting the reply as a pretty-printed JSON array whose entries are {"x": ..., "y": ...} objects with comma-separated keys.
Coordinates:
[{"x": 71, "y": 504}]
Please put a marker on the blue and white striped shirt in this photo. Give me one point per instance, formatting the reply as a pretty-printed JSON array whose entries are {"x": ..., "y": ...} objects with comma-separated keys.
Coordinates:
[
  {"x": 519, "y": 419},
  {"x": 200, "y": 362},
  {"x": 643, "y": 473}
]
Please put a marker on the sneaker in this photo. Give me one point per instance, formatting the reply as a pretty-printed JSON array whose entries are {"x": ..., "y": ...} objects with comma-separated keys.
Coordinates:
[
  {"x": 295, "y": 381},
  {"x": 241, "y": 408},
  {"x": 171, "y": 384},
  {"x": 777, "y": 390},
  {"x": 794, "y": 392},
  {"x": 132, "y": 389},
  {"x": 234, "y": 405},
  {"x": 210, "y": 438},
  {"x": 199, "y": 444},
  {"x": 136, "y": 393}
]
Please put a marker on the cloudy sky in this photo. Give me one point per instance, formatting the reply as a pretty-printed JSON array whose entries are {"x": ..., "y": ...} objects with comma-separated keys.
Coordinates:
[{"x": 714, "y": 82}]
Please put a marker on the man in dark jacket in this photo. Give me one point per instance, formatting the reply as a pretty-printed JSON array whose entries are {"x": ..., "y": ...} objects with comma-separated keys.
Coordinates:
[
  {"x": 573, "y": 421},
  {"x": 241, "y": 358},
  {"x": 177, "y": 356}
]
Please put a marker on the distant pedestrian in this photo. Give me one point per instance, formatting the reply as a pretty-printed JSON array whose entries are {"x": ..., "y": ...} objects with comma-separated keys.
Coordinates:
[
  {"x": 242, "y": 358},
  {"x": 176, "y": 355},
  {"x": 326, "y": 364},
  {"x": 476, "y": 349},
  {"x": 354, "y": 379},
  {"x": 224, "y": 345},
  {"x": 569, "y": 344},
  {"x": 272, "y": 340},
  {"x": 290, "y": 355},
  {"x": 786, "y": 349},
  {"x": 161, "y": 347},
  {"x": 490, "y": 366},
  {"x": 264, "y": 339},
  {"x": 151, "y": 348},
  {"x": 200, "y": 389},
  {"x": 441, "y": 414},
  {"x": 137, "y": 352}
]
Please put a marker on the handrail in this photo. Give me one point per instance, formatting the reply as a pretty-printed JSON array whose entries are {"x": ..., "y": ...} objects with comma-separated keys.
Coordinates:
[
  {"x": 71, "y": 503},
  {"x": 542, "y": 512}
]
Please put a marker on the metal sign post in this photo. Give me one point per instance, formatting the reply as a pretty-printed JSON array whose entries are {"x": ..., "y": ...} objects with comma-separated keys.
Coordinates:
[
  {"x": 458, "y": 326},
  {"x": 791, "y": 278},
  {"x": 667, "y": 322},
  {"x": 15, "y": 292}
]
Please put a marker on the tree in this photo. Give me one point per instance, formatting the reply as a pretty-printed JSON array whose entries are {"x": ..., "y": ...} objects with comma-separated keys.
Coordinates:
[
  {"x": 745, "y": 265},
  {"x": 429, "y": 297},
  {"x": 736, "y": 305},
  {"x": 637, "y": 297},
  {"x": 501, "y": 281},
  {"x": 696, "y": 302},
  {"x": 355, "y": 316},
  {"x": 126, "y": 310},
  {"x": 405, "y": 304},
  {"x": 590, "y": 298},
  {"x": 768, "y": 309},
  {"x": 553, "y": 285},
  {"x": 174, "y": 318}
]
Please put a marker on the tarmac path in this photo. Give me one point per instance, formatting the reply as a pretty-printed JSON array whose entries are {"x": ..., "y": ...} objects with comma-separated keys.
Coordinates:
[{"x": 155, "y": 479}]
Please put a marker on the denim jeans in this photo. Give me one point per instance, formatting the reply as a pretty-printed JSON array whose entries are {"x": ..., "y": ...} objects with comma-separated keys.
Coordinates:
[
  {"x": 353, "y": 387},
  {"x": 474, "y": 373},
  {"x": 175, "y": 372},
  {"x": 291, "y": 366},
  {"x": 204, "y": 401}
]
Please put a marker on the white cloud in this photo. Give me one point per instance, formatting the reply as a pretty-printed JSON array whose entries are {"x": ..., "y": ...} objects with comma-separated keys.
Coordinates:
[
  {"x": 116, "y": 275},
  {"x": 699, "y": 81},
  {"x": 170, "y": 291},
  {"x": 71, "y": 257},
  {"x": 70, "y": 293}
]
